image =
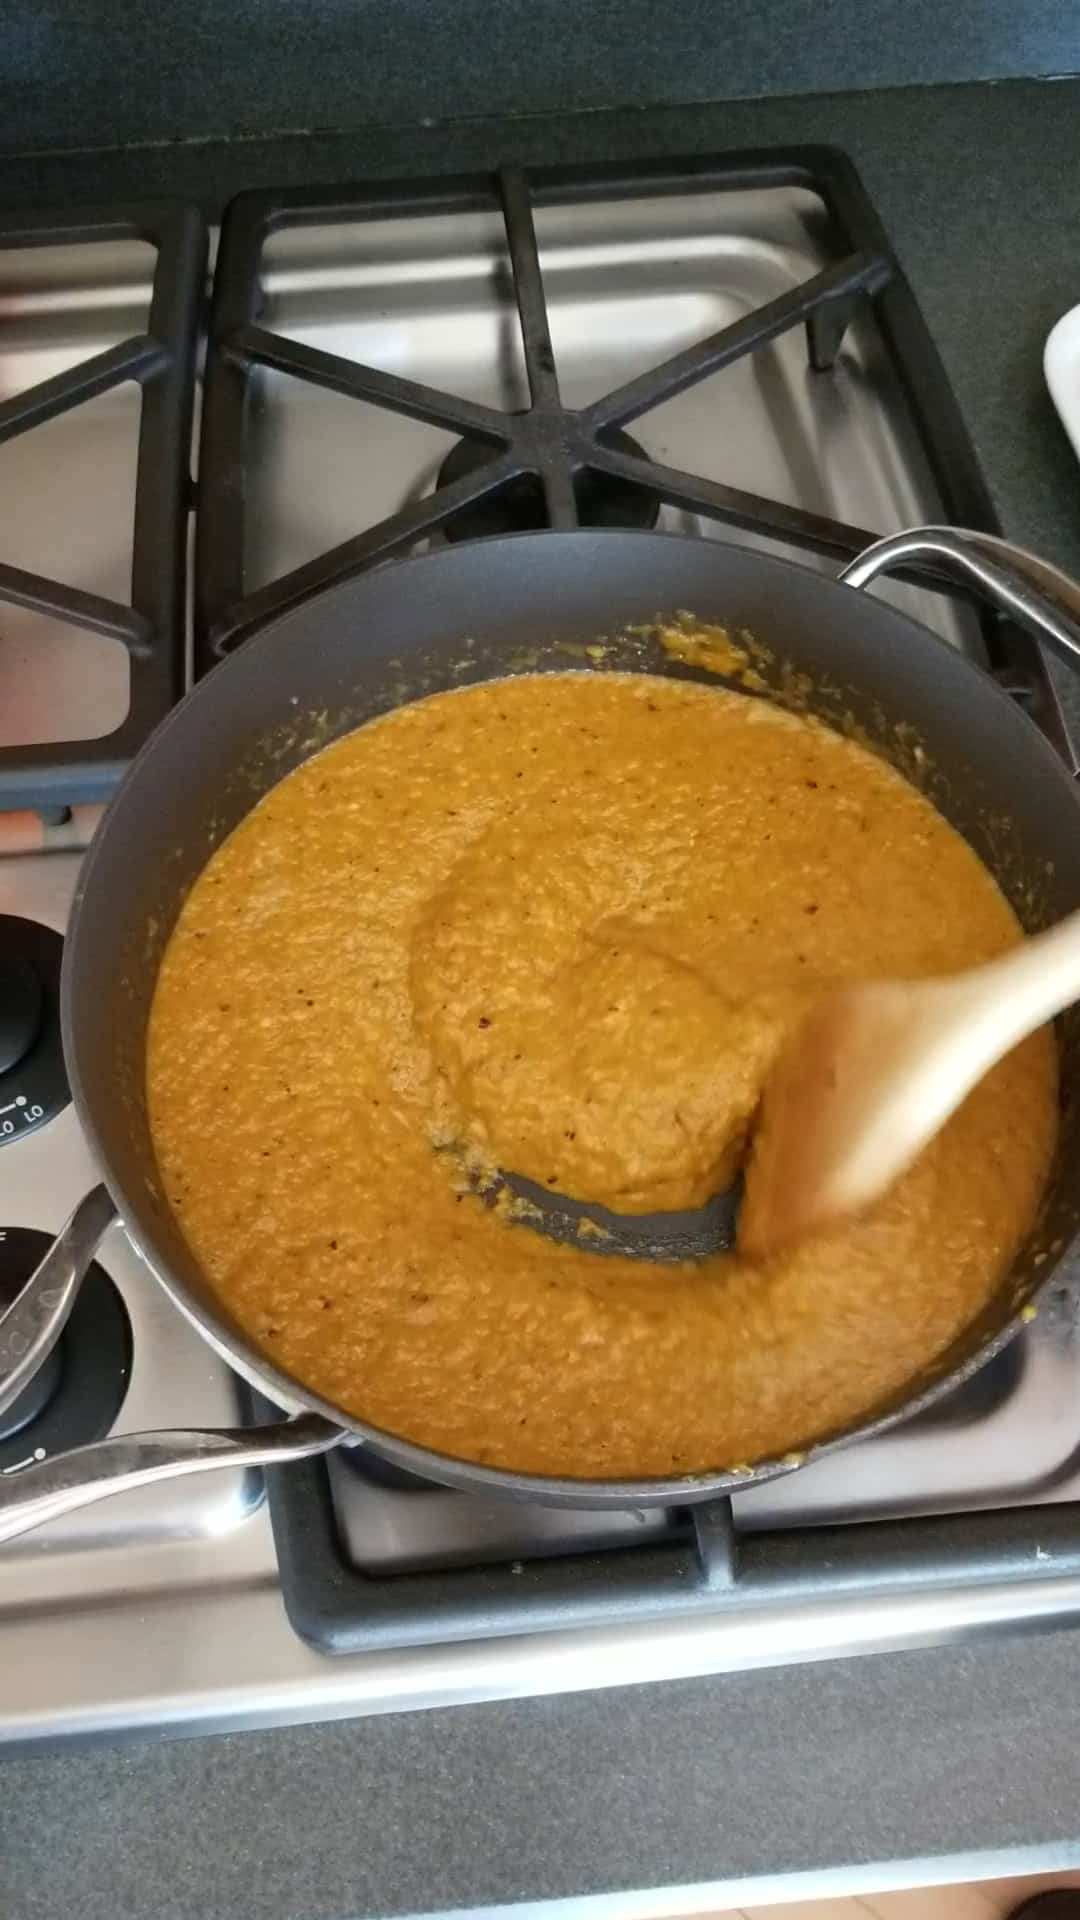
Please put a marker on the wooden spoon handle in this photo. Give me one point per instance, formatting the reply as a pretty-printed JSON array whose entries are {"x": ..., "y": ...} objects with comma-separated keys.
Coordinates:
[{"x": 1026, "y": 987}]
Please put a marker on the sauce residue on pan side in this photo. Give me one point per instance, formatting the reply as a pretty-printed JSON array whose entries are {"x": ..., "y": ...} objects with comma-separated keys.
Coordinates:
[{"x": 560, "y": 924}]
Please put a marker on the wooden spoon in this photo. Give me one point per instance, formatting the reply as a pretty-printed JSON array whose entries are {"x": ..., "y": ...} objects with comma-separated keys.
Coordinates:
[{"x": 874, "y": 1071}]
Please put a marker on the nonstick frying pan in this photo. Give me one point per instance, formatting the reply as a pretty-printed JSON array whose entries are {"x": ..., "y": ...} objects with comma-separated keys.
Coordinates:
[{"x": 448, "y": 618}]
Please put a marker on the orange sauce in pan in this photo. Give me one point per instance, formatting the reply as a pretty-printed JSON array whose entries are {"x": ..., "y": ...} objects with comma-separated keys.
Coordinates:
[{"x": 561, "y": 924}]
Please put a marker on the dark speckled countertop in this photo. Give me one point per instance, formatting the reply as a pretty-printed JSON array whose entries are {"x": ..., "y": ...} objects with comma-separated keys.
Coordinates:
[{"x": 897, "y": 1768}]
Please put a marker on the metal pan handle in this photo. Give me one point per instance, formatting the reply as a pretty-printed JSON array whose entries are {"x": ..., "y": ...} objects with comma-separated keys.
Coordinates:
[
  {"x": 72, "y": 1480},
  {"x": 28, "y": 1332},
  {"x": 1039, "y": 596},
  {"x": 36, "y": 1318}
]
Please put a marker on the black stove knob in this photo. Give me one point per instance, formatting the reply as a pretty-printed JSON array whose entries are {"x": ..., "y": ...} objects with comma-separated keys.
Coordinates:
[
  {"x": 34, "y": 1398},
  {"x": 20, "y": 1009},
  {"x": 16, "y": 1265},
  {"x": 76, "y": 1394},
  {"x": 33, "y": 1083}
]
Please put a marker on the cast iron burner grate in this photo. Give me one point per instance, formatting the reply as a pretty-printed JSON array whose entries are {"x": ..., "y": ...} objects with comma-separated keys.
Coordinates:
[
  {"x": 600, "y": 499},
  {"x": 162, "y": 362},
  {"x": 707, "y": 1566},
  {"x": 551, "y": 448},
  {"x": 551, "y": 464}
]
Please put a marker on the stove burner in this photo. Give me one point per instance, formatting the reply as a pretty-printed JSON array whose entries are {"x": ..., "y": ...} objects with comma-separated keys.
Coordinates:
[
  {"x": 33, "y": 1083},
  {"x": 602, "y": 500},
  {"x": 75, "y": 1397}
]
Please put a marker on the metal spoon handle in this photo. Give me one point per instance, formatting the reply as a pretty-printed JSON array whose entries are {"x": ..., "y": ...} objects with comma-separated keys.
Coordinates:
[
  {"x": 38, "y": 1315},
  {"x": 33, "y": 1495}
]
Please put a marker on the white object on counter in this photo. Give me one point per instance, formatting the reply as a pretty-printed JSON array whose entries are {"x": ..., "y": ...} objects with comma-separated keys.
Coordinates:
[{"x": 1061, "y": 365}]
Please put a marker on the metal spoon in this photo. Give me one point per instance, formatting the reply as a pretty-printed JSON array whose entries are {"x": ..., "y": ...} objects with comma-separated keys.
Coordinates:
[{"x": 690, "y": 1234}]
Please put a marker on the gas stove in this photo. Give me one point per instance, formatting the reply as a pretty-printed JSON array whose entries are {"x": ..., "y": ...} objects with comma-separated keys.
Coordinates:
[{"x": 384, "y": 368}]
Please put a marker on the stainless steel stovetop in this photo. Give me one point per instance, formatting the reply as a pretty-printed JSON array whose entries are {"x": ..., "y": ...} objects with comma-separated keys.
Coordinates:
[{"x": 165, "y": 1611}]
